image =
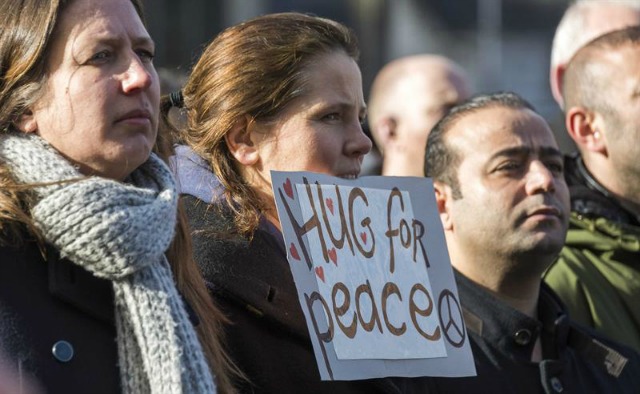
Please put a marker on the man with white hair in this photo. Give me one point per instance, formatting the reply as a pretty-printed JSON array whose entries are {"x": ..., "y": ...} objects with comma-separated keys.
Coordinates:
[
  {"x": 583, "y": 21},
  {"x": 408, "y": 96}
]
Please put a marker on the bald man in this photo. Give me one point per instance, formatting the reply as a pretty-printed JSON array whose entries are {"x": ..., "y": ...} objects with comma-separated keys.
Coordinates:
[
  {"x": 598, "y": 273},
  {"x": 408, "y": 96},
  {"x": 583, "y": 21}
]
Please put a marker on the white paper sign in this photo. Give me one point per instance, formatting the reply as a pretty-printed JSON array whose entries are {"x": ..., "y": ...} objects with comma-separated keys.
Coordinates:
[{"x": 373, "y": 276}]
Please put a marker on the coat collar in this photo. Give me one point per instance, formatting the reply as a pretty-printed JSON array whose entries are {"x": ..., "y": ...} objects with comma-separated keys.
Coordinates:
[{"x": 78, "y": 287}]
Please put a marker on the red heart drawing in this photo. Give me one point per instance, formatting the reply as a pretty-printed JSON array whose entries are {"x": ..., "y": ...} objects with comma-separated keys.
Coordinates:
[
  {"x": 294, "y": 252},
  {"x": 364, "y": 237},
  {"x": 329, "y": 204},
  {"x": 320, "y": 273},
  {"x": 287, "y": 188},
  {"x": 333, "y": 256}
]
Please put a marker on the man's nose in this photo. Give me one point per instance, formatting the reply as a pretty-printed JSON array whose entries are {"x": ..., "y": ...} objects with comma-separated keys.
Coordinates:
[{"x": 540, "y": 178}]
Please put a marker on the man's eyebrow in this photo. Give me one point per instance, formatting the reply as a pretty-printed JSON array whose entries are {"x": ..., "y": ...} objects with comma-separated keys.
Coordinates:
[
  {"x": 512, "y": 151},
  {"x": 543, "y": 151}
]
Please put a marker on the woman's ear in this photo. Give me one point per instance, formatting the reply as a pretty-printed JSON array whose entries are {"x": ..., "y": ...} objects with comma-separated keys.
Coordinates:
[
  {"x": 27, "y": 122},
  {"x": 586, "y": 128},
  {"x": 443, "y": 197},
  {"x": 240, "y": 142}
]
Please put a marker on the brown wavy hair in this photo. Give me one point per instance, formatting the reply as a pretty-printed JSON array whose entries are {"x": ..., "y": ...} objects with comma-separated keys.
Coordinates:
[
  {"x": 26, "y": 30},
  {"x": 251, "y": 71}
]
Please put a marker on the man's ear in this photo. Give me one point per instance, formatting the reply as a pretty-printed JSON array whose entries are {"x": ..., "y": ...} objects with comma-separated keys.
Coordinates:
[
  {"x": 240, "y": 142},
  {"x": 555, "y": 76},
  {"x": 586, "y": 128},
  {"x": 443, "y": 199},
  {"x": 386, "y": 130},
  {"x": 27, "y": 122}
]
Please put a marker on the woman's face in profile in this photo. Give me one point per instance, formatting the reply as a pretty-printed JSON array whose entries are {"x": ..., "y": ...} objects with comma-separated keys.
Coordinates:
[
  {"x": 320, "y": 131},
  {"x": 100, "y": 104}
]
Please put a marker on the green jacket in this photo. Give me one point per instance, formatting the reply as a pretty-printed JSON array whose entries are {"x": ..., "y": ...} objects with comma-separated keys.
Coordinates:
[{"x": 598, "y": 272}]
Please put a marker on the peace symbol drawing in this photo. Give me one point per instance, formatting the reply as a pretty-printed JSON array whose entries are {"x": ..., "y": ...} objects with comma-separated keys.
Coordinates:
[{"x": 451, "y": 318}]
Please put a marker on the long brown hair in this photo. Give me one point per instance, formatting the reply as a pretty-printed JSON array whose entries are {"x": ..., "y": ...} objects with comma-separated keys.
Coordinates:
[
  {"x": 252, "y": 70},
  {"x": 192, "y": 286},
  {"x": 27, "y": 27}
]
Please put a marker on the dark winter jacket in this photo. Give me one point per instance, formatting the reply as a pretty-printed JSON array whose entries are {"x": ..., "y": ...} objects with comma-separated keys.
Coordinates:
[
  {"x": 252, "y": 283},
  {"x": 574, "y": 359},
  {"x": 56, "y": 322}
]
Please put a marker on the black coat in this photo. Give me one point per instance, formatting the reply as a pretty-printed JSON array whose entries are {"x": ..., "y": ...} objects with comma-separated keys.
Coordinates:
[
  {"x": 574, "y": 359},
  {"x": 47, "y": 300},
  {"x": 268, "y": 337}
]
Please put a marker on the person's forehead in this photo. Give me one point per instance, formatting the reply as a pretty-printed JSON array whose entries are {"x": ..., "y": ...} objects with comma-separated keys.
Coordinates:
[
  {"x": 334, "y": 72},
  {"x": 106, "y": 13},
  {"x": 431, "y": 87},
  {"x": 333, "y": 79},
  {"x": 495, "y": 127}
]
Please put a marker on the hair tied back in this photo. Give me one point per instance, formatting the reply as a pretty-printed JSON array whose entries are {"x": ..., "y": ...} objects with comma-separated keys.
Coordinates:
[{"x": 176, "y": 99}]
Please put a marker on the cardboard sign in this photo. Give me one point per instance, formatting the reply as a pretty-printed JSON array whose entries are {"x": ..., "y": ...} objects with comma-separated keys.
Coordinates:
[{"x": 373, "y": 276}]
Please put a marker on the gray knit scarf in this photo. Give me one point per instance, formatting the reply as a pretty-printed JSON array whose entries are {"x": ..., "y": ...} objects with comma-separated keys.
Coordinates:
[{"x": 120, "y": 231}]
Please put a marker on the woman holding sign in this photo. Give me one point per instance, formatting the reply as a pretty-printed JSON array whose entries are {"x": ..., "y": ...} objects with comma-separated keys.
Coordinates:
[
  {"x": 279, "y": 92},
  {"x": 88, "y": 213}
]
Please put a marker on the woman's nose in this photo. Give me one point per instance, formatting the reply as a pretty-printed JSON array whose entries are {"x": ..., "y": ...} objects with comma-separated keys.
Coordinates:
[
  {"x": 137, "y": 76},
  {"x": 359, "y": 143}
]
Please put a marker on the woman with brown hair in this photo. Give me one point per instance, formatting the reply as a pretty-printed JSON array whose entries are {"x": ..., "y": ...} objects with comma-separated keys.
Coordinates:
[
  {"x": 278, "y": 92},
  {"x": 88, "y": 302}
]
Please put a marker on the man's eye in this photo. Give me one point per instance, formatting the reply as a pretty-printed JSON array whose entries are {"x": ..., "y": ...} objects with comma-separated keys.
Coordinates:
[
  {"x": 508, "y": 166},
  {"x": 332, "y": 116},
  {"x": 556, "y": 168}
]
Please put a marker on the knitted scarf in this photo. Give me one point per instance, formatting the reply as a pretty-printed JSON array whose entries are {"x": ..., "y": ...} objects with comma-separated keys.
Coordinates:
[{"x": 120, "y": 231}]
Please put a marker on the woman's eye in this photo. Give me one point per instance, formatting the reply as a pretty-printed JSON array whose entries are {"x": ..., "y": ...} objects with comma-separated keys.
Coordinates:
[
  {"x": 146, "y": 55},
  {"x": 100, "y": 56}
]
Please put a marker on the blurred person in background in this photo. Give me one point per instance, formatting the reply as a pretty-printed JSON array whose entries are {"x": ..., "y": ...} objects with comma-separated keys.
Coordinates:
[
  {"x": 408, "y": 96},
  {"x": 583, "y": 21}
]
